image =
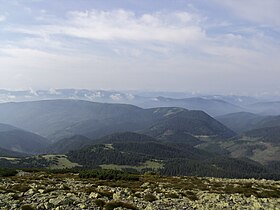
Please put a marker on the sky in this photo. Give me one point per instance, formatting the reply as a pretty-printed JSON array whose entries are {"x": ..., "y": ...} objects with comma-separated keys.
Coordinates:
[{"x": 205, "y": 46}]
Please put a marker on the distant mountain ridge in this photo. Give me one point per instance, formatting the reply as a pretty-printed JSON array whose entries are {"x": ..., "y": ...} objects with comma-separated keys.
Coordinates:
[
  {"x": 50, "y": 116},
  {"x": 245, "y": 121},
  {"x": 191, "y": 122},
  {"x": 267, "y": 108},
  {"x": 21, "y": 141},
  {"x": 240, "y": 121},
  {"x": 57, "y": 119},
  {"x": 102, "y": 134},
  {"x": 269, "y": 121},
  {"x": 211, "y": 106},
  {"x": 11, "y": 154},
  {"x": 214, "y": 105},
  {"x": 65, "y": 145},
  {"x": 267, "y": 134}
]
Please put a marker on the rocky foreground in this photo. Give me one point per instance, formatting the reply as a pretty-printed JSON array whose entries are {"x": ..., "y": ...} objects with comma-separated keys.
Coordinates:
[{"x": 42, "y": 190}]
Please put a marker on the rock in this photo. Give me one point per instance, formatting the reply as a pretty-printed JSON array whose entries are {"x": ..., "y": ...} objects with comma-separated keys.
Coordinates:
[
  {"x": 29, "y": 192},
  {"x": 94, "y": 195},
  {"x": 47, "y": 205},
  {"x": 82, "y": 206},
  {"x": 149, "y": 207},
  {"x": 70, "y": 194},
  {"x": 148, "y": 190},
  {"x": 145, "y": 185},
  {"x": 163, "y": 194},
  {"x": 41, "y": 191},
  {"x": 23, "y": 173},
  {"x": 58, "y": 201},
  {"x": 119, "y": 195}
]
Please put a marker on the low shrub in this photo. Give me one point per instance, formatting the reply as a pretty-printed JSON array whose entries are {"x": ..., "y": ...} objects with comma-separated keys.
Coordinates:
[
  {"x": 109, "y": 175},
  {"x": 191, "y": 195},
  {"x": 115, "y": 204},
  {"x": 7, "y": 172},
  {"x": 100, "y": 203},
  {"x": 63, "y": 171},
  {"x": 27, "y": 207},
  {"x": 149, "y": 197},
  {"x": 172, "y": 195},
  {"x": 105, "y": 193},
  {"x": 20, "y": 187}
]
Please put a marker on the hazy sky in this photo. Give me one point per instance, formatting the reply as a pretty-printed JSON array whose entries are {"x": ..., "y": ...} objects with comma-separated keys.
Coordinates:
[{"x": 222, "y": 46}]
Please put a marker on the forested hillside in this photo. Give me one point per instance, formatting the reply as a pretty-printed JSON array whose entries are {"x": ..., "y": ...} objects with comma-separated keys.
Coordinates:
[{"x": 58, "y": 119}]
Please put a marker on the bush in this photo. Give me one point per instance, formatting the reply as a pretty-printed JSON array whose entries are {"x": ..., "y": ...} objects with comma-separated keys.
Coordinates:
[
  {"x": 115, "y": 204},
  {"x": 20, "y": 187},
  {"x": 172, "y": 195},
  {"x": 7, "y": 172},
  {"x": 191, "y": 195},
  {"x": 27, "y": 207},
  {"x": 32, "y": 170},
  {"x": 63, "y": 171},
  {"x": 108, "y": 175},
  {"x": 105, "y": 193},
  {"x": 99, "y": 203},
  {"x": 149, "y": 197}
]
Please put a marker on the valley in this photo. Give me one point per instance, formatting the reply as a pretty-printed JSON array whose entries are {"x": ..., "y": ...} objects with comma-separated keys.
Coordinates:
[
  {"x": 100, "y": 135},
  {"x": 70, "y": 139}
]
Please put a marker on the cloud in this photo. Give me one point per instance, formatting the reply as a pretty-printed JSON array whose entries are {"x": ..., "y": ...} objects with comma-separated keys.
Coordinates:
[
  {"x": 225, "y": 70},
  {"x": 126, "y": 33},
  {"x": 121, "y": 49},
  {"x": 175, "y": 27},
  {"x": 265, "y": 12}
]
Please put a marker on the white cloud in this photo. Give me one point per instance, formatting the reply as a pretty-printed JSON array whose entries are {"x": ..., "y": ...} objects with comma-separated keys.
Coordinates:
[
  {"x": 120, "y": 49},
  {"x": 266, "y": 12},
  {"x": 33, "y": 92},
  {"x": 116, "y": 97},
  {"x": 53, "y": 91},
  {"x": 176, "y": 27},
  {"x": 227, "y": 69}
]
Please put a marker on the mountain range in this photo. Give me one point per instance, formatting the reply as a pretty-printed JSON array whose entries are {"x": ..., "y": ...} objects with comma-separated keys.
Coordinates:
[
  {"x": 21, "y": 141},
  {"x": 213, "y": 105},
  {"x": 56, "y": 119},
  {"x": 244, "y": 121},
  {"x": 173, "y": 140}
]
